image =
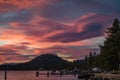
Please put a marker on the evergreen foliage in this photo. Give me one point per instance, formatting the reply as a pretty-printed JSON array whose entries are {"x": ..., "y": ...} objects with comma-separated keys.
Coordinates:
[{"x": 110, "y": 51}]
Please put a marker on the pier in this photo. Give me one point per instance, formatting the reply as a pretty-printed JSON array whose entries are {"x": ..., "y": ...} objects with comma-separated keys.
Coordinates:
[{"x": 108, "y": 75}]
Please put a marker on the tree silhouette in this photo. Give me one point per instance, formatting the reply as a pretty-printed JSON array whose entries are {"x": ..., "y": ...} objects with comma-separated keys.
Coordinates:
[{"x": 110, "y": 51}]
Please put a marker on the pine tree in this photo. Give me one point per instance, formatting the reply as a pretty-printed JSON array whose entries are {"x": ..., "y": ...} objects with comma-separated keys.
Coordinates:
[
  {"x": 86, "y": 65},
  {"x": 90, "y": 60},
  {"x": 110, "y": 51},
  {"x": 95, "y": 59}
]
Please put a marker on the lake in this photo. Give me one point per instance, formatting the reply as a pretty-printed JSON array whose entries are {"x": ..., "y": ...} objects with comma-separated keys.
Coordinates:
[{"x": 30, "y": 75}]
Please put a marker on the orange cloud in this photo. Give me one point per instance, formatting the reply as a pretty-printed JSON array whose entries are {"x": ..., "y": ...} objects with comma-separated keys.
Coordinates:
[
  {"x": 36, "y": 31},
  {"x": 11, "y": 36},
  {"x": 10, "y": 5},
  {"x": 37, "y": 26},
  {"x": 15, "y": 53},
  {"x": 31, "y": 38}
]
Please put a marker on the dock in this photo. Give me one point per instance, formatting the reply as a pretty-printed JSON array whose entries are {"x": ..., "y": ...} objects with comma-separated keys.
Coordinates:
[{"x": 108, "y": 75}]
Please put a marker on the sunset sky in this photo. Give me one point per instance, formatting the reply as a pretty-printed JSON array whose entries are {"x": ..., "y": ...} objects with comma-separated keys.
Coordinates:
[{"x": 69, "y": 28}]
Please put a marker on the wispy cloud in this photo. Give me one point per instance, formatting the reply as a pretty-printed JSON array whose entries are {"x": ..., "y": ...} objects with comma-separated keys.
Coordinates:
[{"x": 29, "y": 27}]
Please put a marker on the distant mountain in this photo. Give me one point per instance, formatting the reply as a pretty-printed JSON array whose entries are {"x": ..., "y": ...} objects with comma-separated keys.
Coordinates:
[{"x": 45, "y": 61}]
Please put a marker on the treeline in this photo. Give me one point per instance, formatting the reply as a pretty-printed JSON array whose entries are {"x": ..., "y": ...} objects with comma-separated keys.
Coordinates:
[
  {"x": 88, "y": 63},
  {"x": 109, "y": 57},
  {"x": 91, "y": 61}
]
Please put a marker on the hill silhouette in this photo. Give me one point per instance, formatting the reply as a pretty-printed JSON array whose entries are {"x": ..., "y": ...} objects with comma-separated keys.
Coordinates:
[{"x": 44, "y": 61}]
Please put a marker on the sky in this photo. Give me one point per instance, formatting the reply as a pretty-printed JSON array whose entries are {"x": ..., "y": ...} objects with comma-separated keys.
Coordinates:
[{"x": 69, "y": 28}]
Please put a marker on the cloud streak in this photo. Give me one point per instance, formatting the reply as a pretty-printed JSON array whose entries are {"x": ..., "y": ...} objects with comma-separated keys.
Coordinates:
[{"x": 28, "y": 27}]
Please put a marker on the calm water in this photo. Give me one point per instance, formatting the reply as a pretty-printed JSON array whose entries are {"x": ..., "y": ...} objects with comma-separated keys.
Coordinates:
[{"x": 30, "y": 75}]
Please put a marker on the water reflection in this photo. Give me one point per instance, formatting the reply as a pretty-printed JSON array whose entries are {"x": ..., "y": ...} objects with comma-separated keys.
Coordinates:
[{"x": 30, "y": 75}]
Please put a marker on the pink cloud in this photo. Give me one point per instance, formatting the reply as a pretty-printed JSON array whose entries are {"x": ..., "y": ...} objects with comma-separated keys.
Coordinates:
[
  {"x": 13, "y": 5},
  {"x": 41, "y": 35},
  {"x": 41, "y": 32},
  {"x": 91, "y": 18},
  {"x": 32, "y": 27},
  {"x": 15, "y": 53}
]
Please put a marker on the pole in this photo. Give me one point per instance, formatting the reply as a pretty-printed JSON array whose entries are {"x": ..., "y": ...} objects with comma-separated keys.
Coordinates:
[
  {"x": 119, "y": 67},
  {"x": 5, "y": 72},
  {"x": 5, "y": 75}
]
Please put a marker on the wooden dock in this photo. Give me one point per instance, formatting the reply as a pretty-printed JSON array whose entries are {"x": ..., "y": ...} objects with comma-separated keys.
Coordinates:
[{"x": 108, "y": 75}]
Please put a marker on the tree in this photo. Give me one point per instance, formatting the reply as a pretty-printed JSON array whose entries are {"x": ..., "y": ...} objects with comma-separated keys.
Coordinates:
[
  {"x": 95, "y": 59},
  {"x": 89, "y": 60},
  {"x": 110, "y": 51}
]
